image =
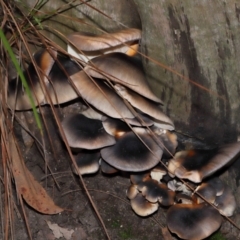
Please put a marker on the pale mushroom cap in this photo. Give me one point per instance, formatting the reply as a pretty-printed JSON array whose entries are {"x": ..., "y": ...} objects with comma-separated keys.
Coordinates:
[
  {"x": 146, "y": 106},
  {"x": 130, "y": 154},
  {"x": 102, "y": 97},
  {"x": 85, "y": 133},
  {"x": 193, "y": 221},
  {"x": 158, "y": 172},
  {"x": 93, "y": 113},
  {"x": 122, "y": 69},
  {"x": 132, "y": 191},
  {"x": 142, "y": 207},
  {"x": 91, "y": 42},
  {"x": 178, "y": 186},
  {"x": 86, "y": 46}
]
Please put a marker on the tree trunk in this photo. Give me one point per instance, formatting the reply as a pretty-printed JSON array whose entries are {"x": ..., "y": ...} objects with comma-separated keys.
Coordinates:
[{"x": 201, "y": 41}]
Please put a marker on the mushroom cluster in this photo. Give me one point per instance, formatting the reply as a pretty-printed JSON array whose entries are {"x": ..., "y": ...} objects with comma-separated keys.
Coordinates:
[
  {"x": 195, "y": 204},
  {"x": 124, "y": 129}
]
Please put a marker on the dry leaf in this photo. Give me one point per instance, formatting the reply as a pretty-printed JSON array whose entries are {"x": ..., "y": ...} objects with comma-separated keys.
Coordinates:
[
  {"x": 32, "y": 191},
  {"x": 59, "y": 232}
]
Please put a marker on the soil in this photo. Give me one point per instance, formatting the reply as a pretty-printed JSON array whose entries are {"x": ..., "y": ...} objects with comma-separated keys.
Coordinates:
[{"x": 107, "y": 192}]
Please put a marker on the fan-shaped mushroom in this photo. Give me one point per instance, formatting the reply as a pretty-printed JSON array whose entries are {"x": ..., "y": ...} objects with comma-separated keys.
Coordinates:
[
  {"x": 132, "y": 154},
  {"x": 86, "y": 46},
  {"x": 122, "y": 69},
  {"x": 193, "y": 221},
  {"x": 142, "y": 207},
  {"x": 85, "y": 133}
]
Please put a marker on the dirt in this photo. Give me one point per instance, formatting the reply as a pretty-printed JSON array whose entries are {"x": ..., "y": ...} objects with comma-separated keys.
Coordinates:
[{"x": 107, "y": 192}]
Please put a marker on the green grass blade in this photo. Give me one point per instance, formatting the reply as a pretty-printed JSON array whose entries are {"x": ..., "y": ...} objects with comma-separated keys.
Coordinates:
[{"x": 22, "y": 77}]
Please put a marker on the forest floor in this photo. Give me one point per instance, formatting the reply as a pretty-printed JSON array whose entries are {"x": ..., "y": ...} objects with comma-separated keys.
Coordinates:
[{"x": 79, "y": 221}]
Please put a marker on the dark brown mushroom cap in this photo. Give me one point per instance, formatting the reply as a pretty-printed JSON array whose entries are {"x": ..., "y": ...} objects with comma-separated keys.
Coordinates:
[
  {"x": 102, "y": 97},
  {"x": 87, "y": 162},
  {"x": 136, "y": 178},
  {"x": 142, "y": 207},
  {"x": 130, "y": 154},
  {"x": 193, "y": 221},
  {"x": 44, "y": 59},
  {"x": 226, "y": 203},
  {"x": 154, "y": 191},
  {"x": 196, "y": 165},
  {"x": 85, "y": 133},
  {"x": 209, "y": 190},
  {"x": 122, "y": 69},
  {"x": 146, "y": 106},
  {"x": 91, "y": 42},
  {"x": 106, "y": 168}
]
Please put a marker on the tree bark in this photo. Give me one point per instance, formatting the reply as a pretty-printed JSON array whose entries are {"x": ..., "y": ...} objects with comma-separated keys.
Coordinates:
[{"x": 201, "y": 41}]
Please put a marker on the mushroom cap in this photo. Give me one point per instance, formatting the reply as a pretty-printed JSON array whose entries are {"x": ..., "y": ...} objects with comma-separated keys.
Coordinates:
[
  {"x": 44, "y": 60},
  {"x": 107, "y": 168},
  {"x": 85, "y": 133},
  {"x": 136, "y": 178},
  {"x": 154, "y": 191},
  {"x": 158, "y": 172},
  {"x": 87, "y": 162},
  {"x": 146, "y": 106},
  {"x": 178, "y": 186},
  {"x": 59, "y": 87},
  {"x": 86, "y": 46},
  {"x": 130, "y": 153},
  {"x": 196, "y": 165},
  {"x": 193, "y": 221},
  {"x": 168, "y": 139},
  {"x": 122, "y": 69},
  {"x": 140, "y": 121},
  {"x": 226, "y": 203},
  {"x": 142, "y": 207},
  {"x": 91, "y": 42},
  {"x": 92, "y": 113},
  {"x": 209, "y": 189},
  {"x": 132, "y": 191},
  {"x": 101, "y": 96},
  {"x": 183, "y": 198},
  {"x": 115, "y": 127}
]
